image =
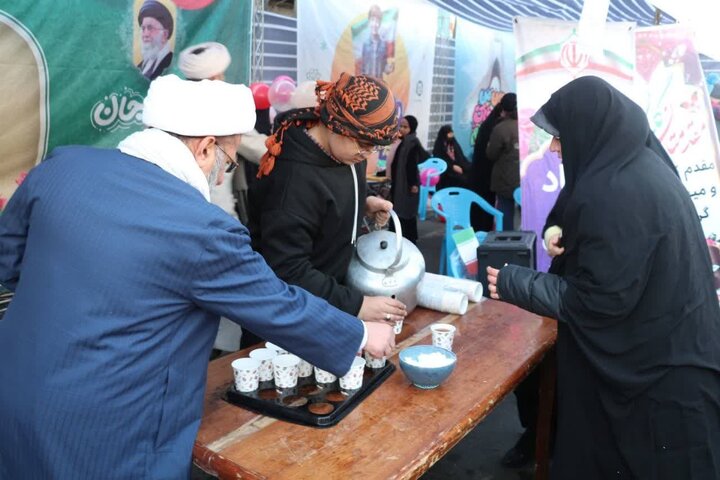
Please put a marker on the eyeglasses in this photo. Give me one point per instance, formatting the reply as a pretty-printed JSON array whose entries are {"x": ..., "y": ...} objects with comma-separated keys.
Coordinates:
[
  {"x": 366, "y": 147},
  {"x": 231, "y": 160}
]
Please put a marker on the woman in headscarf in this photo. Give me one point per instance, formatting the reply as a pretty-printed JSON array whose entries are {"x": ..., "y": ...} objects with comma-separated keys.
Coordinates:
[
  {"x": 309, "y": 199},
  {"x": 638, "y": 319},
  {"x": 405, "y": 179},
  {"x": 481, "y": 171},
  {"x": 447, "y": 148},
  {"x": 502, "y": 150}
]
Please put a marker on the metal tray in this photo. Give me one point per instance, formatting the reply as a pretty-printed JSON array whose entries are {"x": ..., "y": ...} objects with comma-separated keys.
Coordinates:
[{"x": 308, "y": 403}]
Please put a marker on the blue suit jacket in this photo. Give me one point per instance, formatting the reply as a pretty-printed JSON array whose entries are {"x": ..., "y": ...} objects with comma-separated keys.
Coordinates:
[{"x": 120, "y": 273}]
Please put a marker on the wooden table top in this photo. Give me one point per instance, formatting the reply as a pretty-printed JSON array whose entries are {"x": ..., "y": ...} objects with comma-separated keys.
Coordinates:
[{"x": 397, "y": 432}]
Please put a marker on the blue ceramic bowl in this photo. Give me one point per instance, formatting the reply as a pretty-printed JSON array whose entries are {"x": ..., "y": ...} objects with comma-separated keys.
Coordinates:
[{"x": 426, "y": 376}]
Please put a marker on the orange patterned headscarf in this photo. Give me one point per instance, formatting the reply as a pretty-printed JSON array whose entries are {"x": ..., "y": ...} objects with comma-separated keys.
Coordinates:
[{"x": 355, "y": 106}]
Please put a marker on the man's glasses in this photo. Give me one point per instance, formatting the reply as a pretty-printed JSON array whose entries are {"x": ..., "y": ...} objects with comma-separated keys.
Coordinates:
[
  {"x": 367, "y": 147},
  {"x": 231, "y": 160}
]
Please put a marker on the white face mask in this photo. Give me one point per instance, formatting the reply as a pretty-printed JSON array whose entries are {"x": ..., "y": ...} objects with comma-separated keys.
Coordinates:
[{"x": 217, "y": 168}]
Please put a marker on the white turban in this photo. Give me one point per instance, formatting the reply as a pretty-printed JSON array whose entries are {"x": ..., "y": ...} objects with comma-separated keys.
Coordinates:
[
  {"x": 196, "y": 109},
  {"x": 204, "y": 60}
]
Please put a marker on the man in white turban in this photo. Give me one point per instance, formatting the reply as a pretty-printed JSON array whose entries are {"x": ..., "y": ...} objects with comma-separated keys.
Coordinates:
[
  {"x": 121, "y": 268},
  {"x": 205, "y": 61},
  {"x": 208, "y": 61}
]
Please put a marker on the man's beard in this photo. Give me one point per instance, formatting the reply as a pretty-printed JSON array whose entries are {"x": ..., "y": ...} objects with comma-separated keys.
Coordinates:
[
  {"x": 151, "y": 49},
  {"x": 215, "y": 172}
]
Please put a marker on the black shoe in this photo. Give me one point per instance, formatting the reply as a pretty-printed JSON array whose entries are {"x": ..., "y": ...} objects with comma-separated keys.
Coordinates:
[{"x": 522, "y": 453}]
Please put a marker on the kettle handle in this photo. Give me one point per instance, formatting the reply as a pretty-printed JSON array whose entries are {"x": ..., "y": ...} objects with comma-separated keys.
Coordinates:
[{"x": 398, "y": 238}]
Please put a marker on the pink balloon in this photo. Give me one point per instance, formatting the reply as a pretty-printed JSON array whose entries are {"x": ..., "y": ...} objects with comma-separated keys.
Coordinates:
[
  {"x": 284, "y": 77},
  {"x": 434, "y": 177},
  {"x": 280, "y": 93}
]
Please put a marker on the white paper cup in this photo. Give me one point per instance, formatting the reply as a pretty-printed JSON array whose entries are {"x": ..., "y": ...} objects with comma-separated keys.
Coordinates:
[
  {"x": 374, "y": 362},
  {"x": 324, "y": 377},
  {"x": 264, "y": 356},
  {"x": 278, "y": 349},
  {"x": 352, "y": 380},
  {"x": 442, "y": 335},
  {"x": 285, "y": 370},
  {"x": 305, "y": 369},
  {"x": 398, "y": 326},
  {"x": 245, "y": 371}
]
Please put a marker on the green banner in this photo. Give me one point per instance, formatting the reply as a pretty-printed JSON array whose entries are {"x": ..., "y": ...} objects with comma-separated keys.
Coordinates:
[{"x": 76, "y": 72}]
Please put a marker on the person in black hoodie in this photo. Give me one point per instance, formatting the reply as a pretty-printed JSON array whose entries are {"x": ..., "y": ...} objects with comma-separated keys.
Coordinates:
[
  {"x": 308, "y": 201},
  {"x": 638, "y": 331},
  {"x": 447, "y": 148},
  {"x": 405, "y": 178}
]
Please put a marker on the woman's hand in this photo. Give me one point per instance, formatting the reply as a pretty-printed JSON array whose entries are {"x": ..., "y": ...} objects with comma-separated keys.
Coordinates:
[
  {"x": 457, "y": 169},
  {"x": 492, "y": 277},
  {"x": 382, "y": 309},
  {"x": 554, "y": 248},
  {"x": 414, "y": 189},
  {"x": 379, "y": 209}
]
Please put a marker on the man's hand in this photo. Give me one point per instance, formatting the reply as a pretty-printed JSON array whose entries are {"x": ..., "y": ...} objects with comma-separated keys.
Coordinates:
[
  {"x": 379, "y": 209},
  {"x": 414, "y": 189},
  {"x": 380, "y": 340},
  {"x": 382, "y": 309},
  {"x": 492, "y": 277}
]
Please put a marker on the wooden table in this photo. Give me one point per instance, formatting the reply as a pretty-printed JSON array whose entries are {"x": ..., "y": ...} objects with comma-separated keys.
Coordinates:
[{"x": 399, "y": 431}]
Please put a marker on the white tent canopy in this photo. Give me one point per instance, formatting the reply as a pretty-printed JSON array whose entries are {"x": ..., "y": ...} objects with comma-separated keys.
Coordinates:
[{"x": 498, "y": 14}]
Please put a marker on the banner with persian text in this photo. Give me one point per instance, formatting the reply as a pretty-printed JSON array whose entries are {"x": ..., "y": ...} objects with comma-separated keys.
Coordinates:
[
  {"x": 548, "y": 56},
  {"x": 670, "y": 85}
]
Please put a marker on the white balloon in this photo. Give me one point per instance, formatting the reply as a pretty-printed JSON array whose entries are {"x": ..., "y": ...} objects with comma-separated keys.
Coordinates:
[{"x": 304, "y": 95}]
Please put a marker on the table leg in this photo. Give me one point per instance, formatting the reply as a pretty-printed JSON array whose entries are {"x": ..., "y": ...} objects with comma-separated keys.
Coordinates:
[{"x": 548, "y": 374}]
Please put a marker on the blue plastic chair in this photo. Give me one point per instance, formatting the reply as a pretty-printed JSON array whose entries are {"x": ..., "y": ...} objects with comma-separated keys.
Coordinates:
[
  {"x": 517, "y": 196},
  {"x": 454, "y": 204},
  {"x": 440, "y": 166}
]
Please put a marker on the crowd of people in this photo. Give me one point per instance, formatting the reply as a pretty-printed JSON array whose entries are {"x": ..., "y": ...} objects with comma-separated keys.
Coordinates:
[{"x": 209, "y": 214}]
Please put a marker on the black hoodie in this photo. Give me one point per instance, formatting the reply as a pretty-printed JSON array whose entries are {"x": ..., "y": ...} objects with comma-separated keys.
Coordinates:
[{"x": 303, "y": 218}]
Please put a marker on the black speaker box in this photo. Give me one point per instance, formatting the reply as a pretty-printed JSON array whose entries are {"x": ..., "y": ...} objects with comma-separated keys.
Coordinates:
[{"x": 499, "y": 248}]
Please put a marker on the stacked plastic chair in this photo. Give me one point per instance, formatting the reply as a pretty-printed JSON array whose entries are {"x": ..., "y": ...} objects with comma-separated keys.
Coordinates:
[
  {"x": 517, "y": 196},
  {"x": 438, "y": 166},
  {"x": 454, "y": 203}
]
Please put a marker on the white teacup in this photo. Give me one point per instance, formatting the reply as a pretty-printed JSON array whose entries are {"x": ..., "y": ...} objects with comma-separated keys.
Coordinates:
[
  {"x": 324, "y": 377},
  {"x": 442, "y": 335},
  {"x": 374, "y": 362},
  {"x": 277, "y": 348},
  {"x": 305, "y": 369},
  {"x": 265, "y": 356},
  {"x": 285, "y": 370},
  {"x": 245, "y": 371},
  {"x": 352, "y": 380}
]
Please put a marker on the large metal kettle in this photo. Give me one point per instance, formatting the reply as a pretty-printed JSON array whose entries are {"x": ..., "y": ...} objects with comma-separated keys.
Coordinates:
[{"x": 386, "y": 264}]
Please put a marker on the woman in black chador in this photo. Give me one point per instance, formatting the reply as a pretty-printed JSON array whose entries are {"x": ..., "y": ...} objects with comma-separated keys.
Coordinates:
[
  {"x": 638, "y": 346},
  {"x": 447, "y": 148},
  {"x": 405, "y": 179},
  {"x": 481, "y": 171}
]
